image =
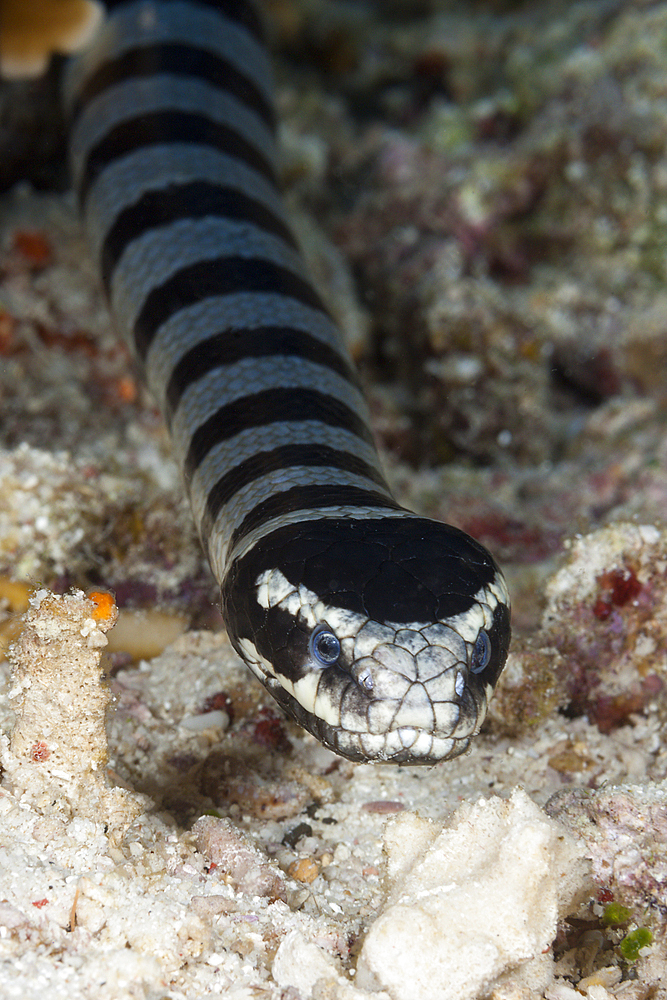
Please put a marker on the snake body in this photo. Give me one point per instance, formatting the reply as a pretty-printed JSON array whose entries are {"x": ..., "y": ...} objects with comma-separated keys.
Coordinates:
[{"x": 383, "y": 633}]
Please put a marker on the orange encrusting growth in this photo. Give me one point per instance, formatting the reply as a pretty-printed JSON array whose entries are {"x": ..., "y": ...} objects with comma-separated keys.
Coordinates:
[
  {"x": 34, "y": 247},
  {"x": 39, "y": 752},
  {"x": 105, "y": 605},
  {"x": 33, "y": 29},
  {"x": 126, "y": 389}
]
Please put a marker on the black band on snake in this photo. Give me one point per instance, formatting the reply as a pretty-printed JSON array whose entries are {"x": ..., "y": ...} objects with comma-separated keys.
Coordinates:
[{"x": 383, "y": 633}]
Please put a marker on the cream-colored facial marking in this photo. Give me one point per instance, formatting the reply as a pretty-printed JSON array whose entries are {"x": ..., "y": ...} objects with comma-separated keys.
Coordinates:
[{"x": 407, "y": 672}]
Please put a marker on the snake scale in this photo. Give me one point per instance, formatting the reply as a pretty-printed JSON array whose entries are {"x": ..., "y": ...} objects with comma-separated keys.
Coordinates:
[{"x": 381, "y": 632}]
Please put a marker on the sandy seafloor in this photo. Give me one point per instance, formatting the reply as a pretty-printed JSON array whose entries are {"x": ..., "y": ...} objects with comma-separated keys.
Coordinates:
[{"x": 482, "y": 191}]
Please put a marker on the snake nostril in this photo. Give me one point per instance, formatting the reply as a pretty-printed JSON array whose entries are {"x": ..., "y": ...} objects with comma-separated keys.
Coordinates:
[
  {"x": 365, "y": 680},
  {"x": 362, "y": 673}
]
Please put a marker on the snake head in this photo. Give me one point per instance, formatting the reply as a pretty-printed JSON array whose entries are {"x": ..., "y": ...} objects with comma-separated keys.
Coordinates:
[{"x": 383, "y": 637}]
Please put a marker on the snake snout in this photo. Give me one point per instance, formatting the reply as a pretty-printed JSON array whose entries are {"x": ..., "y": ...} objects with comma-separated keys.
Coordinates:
[{"x": 421, "y": 691}]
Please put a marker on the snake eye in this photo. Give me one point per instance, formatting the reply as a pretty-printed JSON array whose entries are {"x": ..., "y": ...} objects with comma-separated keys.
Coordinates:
[
  {"x": 324, "y": 646},
  {"x": 481, "y": 653}
]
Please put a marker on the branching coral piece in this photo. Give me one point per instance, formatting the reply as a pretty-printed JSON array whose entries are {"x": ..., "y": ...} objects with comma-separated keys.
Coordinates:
[{"x": 57, "y": 752}]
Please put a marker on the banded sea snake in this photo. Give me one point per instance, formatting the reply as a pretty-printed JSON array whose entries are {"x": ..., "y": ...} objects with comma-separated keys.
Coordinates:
[{"x": 383, "y": 633}]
